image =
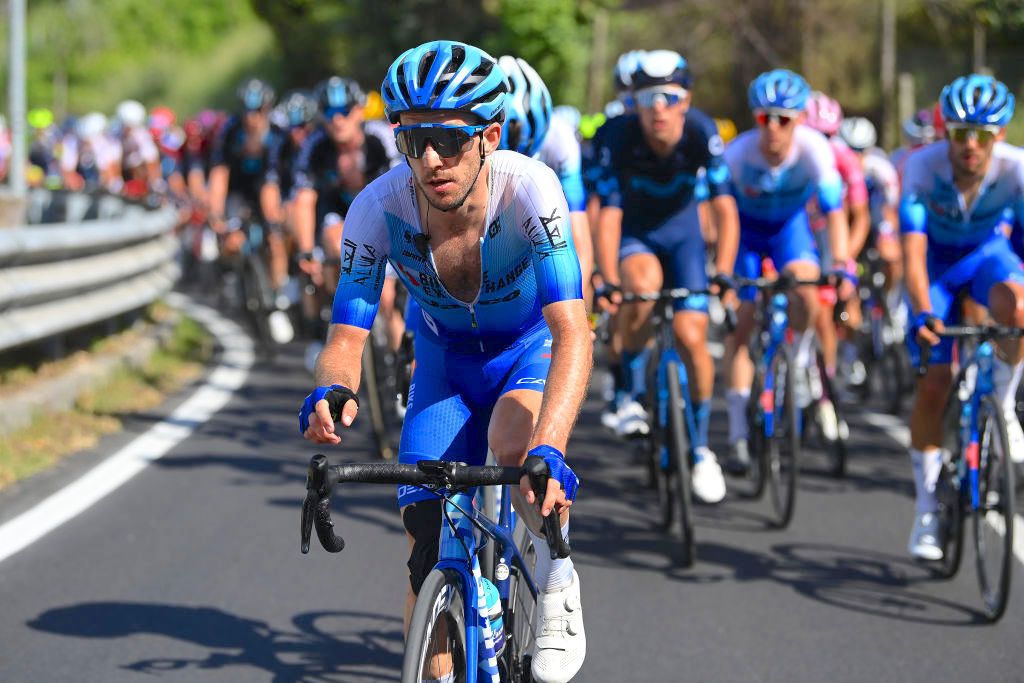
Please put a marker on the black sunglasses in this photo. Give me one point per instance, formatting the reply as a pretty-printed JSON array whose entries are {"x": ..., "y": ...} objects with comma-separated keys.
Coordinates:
[{"x": 446, "y": 140}]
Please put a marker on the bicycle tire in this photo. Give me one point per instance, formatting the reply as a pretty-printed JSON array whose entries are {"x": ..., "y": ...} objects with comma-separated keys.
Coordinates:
[
  {"x": 658, "y": 465},
  {"x": 520, "y": 630},
  {"x": 437, "y": 626},
  {"x": 248, "y": 270},
  {"x": 783, "y": 448},
  {"x": 895, "y": 370},
  {"x": 378, "y": 420},
  {"x": 756, "y": 442},
  {"x": 679, "y": 463},
  {"x": 994, "y": 519},
  {"x": 951, "y": 521},
  {"x": 836, "y": 448}
]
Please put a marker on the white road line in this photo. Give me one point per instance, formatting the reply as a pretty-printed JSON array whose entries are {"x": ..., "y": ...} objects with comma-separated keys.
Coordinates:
[
  {"x": 114, "y": 471},
  {"x": 899, "y": 432}
]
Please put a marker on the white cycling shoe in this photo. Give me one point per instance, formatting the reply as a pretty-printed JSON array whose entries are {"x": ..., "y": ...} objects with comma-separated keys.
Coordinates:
[
  {"x": 1015, "y": 435},
  {"x": 561, "y": 644},
  {"x": 632, "y": 419},
  {"x": 706, "y": 479},
  {"x": 924, "y": 541}
]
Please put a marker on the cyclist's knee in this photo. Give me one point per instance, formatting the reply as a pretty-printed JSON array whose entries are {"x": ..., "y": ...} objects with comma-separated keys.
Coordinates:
[
  {"x": 1006, "y": 301},
  {"x": 422, "y": 521},
  {"x": 641, "y": 273},
  {"x": 691, "y": 329}
]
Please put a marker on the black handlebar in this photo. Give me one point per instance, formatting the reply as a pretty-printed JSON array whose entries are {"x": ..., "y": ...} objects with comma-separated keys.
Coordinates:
[
  {"x": 965, "y": 331},
  {"x": 440, "y": 475}
]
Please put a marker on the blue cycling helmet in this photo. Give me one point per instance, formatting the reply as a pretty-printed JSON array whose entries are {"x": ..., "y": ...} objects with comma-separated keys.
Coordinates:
[
  {"x": 624, "y": 68},
  {"x": 255, "y": 95},
  {"x": 977, "y": 99},
  {"x": 296, "y": 109},
  {"x": 779, "y": 89},
  {"x": 338, "y": 92},
  {"x": 445, "y": 75},
  {"x": 527, "y": 107},
  {"x": 660, "y": 67}
]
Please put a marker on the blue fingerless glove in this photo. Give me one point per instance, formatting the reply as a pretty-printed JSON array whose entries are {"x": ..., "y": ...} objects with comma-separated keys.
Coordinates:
[
  {"x": 921, "y": 320},
  {"x": 336, "y": 394},
  {"x": 560, "y": 470},
  {"x": 842, "y": 274}
]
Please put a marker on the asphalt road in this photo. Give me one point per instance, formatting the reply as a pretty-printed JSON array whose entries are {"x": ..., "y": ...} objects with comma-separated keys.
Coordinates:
[{"x": 192, "y": 572}]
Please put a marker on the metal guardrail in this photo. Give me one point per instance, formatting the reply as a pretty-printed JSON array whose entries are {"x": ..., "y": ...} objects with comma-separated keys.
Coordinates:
[{"x": 57, "y": 277}]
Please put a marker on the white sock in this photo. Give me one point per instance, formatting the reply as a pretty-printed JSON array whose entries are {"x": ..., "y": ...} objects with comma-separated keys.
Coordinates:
[
  {"x": 551, "y": 575},
  {"x": 447, "y": 678},
  {"x": 803, "y": 355},
  {"x": 926, "y": 465},
  {"x": 736, "y": 406},
  {"x": 1006, "y": 377}
]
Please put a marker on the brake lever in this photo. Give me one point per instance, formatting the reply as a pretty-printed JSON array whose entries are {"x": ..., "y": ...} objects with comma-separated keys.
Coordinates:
[
  {"x": 316, "y": 508},
  {"x": 538, "y": 473}
]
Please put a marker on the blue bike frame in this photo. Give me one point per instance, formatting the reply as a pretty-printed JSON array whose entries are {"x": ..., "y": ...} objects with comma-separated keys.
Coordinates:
[
  {"x": 457, "y": 553},
  {"x": 773, "y": 335},
  {"x": 968, "y": 466},
  {"x": 670, "y": 355}
]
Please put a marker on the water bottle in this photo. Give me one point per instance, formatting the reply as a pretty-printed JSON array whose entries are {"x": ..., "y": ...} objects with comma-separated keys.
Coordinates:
[
  {"x": 493, "y": 601},
  {"x": 779, "y": 319}
]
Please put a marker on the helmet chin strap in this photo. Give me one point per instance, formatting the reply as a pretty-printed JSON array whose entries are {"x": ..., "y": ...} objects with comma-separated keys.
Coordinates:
[{"x": 479, "y": 168}]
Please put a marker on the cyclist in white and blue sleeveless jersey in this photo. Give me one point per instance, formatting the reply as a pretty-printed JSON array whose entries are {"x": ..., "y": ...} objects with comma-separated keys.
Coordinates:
[
  {"x": 960, "y": 195},
  {"x": 775, "y": 169},
  {"x": 530, "y": 129},
  {"x": 650, "y": 235},
  {"x": 481, "y": 239}
]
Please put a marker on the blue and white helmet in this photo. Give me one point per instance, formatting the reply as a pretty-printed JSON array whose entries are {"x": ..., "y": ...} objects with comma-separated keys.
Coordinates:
[
  {"x": 779, "y": 89},
  {"x": 660, "y": 67},
  {"x": 527, "y": 107},
  {"x": 337, "y": 91},
  {"x": 624, "y": 68},
  {"x": 977, "y": 99},
  {"x": 445, "y": 75}
]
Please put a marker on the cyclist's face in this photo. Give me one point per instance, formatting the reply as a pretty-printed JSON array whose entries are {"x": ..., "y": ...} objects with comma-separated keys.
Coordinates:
[
  {"x": 777, "y": 131},
  {"x": 446, "y": 181},
  {"x": 971, "y": 156},
  {"x": 661, "y": 120},
  {"x": 344, "y": 128},
  {"x": 255, "y": 118}
]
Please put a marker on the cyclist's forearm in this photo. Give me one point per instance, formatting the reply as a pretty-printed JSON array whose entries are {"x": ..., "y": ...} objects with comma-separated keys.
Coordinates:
[
  {"x": 304, "y": 217},
  {"x": 569, "y": 375},
  {"x": 915, "y": 271},
  {"x": 839, "y": 237},
  {"x": 860, "y": 227},
  {"x": 609, "y": 236},
  {"x": 270, "y": 203},
  {"x": 218, "y": 193},
  {"x": 340, "y": 359},
  {"x": 728, "y": 222}
]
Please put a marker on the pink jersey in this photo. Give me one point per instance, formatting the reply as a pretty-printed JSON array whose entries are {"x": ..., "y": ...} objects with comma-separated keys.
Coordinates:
[{"x": 855, "y": 190}]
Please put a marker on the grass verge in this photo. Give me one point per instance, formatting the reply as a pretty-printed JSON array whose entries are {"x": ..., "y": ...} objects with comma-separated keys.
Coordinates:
[{"x": 102, "y": 410}]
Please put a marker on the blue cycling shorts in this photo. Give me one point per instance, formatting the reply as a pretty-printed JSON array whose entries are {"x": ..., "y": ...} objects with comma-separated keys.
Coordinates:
[
  {"x": 988, "y": 264},
  {"x": 793, "y": 242},
  {"x": 453, "y": 394},
  {"x": 679, "y": 245}
]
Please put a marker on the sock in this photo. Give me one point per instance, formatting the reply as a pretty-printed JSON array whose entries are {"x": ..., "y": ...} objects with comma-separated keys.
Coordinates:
[
  {"x": 803, "y": 355},
  {"x": 702, "y": 416},
  {"x": 927, "y": 465},
  {"x": 736, "y": 405},
  {"x": 1006, "y": 377},
  {"x": 634, "y": 366},
  {"x": 549, "y": 574},
  {"x": 447, "y": 678}
]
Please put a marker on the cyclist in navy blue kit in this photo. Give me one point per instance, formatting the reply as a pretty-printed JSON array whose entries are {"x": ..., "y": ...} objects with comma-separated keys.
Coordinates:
[
  {"x": 482, "y": 241},
  {"x": 650, "y": 235}
]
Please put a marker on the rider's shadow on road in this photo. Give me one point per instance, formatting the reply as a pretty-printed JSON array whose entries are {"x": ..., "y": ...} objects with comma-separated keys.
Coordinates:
[{"x": 318, "y": 649}]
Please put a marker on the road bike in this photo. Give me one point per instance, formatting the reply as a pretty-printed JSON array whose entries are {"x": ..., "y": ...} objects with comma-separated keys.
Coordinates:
[
  {"x": 450, "y": 631},
  {"x": 976, "y": 479}
]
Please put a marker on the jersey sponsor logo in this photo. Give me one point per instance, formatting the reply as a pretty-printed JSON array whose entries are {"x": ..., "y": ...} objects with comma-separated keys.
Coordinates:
[
  {"x": 532, "y": 380},
  {"x": 366, "y": 265},
  {"x": 545, "y": 234},
  {"x": 431, "y": 285},
  {"x": 494, "y": 228},
  {"x": 547, "y": 343},
  {"x": 715, "y": 145},
  {"x": 431, "y": 323},
  {"x": 413, "y": 281},
  {"x": 662, "y": 190},
  {"x": 491, "y": 286},
  {"x": 348, "y": 256},
  {"x": 511, "y": 296}
]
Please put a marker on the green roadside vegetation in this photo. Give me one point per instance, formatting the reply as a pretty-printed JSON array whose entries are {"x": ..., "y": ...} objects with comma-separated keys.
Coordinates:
[{"x": 102, "y": 409}]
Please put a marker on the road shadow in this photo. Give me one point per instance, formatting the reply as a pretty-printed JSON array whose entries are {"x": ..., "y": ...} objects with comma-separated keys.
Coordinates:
[{"x": 324, "y": 646}]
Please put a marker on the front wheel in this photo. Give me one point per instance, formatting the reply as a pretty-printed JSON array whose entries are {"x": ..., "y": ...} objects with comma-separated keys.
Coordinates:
[
  {"x": 679, "y": 462},
  {"x": 783, "y": 445},
  {"x": 436, "y": 645},
  {"x": 993, "y": 518}
]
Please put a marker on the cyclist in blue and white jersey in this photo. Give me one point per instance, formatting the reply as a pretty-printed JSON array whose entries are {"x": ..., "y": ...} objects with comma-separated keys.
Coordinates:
[
  {"x": 776, "y": 168},
  {"x": 481, "y": 239},
  {"x": 531, "y": 129},
  {"x": 650, "y": 236},
  {"x": 958, "y": 196}
]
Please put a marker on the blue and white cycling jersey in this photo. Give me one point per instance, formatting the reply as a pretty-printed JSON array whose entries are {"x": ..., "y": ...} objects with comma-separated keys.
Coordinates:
[
  {"x": 560, "y": 152},
  {"x": 932, "y": 204},
  {"x": 768, "y": 197},
  {"x": 468, "y": 354},
  {"x": 527, "y": 256}
]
